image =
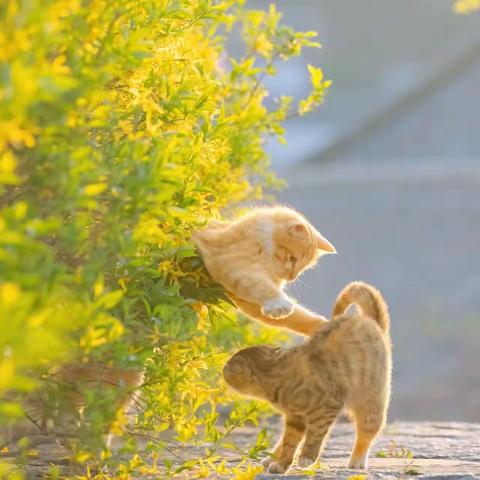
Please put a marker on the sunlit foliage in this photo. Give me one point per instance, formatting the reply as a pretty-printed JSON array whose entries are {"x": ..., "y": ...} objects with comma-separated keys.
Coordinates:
[
  {"x": 466, "y": 6},
  {"x": 123, "y": 126}
]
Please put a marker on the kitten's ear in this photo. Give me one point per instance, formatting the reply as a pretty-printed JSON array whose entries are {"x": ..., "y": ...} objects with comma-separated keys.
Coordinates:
[
  {"x": 236, "y": 370},
  {"x": 352, "y": 311},
  {"x": 298, "y": 230},
  {"x": 324, "y": 245}
]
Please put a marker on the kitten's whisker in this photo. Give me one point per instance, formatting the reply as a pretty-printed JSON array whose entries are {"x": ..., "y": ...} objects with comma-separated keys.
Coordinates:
[
  {"x": 297, "y": 291},
  {"x": 305, "y": 283},
  {"x": 300, "y": 293}
]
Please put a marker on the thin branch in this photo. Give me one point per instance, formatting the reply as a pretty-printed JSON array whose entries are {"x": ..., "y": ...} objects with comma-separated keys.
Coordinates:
[
  {"x": 35, "y": 422},
  {"x": 156, "y": 441}
]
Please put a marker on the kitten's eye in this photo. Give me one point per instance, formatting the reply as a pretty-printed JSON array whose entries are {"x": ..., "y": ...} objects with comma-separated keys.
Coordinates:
[{"x": 293, "y": 259}]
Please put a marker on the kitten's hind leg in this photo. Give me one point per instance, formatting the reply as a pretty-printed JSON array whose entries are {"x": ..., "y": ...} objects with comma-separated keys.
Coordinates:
[
  {"x": 318, "y": 425},
  {"x": 367, "y": 425},
  {"x": 285, "y": 450}
]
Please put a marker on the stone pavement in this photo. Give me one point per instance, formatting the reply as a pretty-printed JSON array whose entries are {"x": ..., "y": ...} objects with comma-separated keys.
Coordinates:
[{"x": 424, "y": 450}]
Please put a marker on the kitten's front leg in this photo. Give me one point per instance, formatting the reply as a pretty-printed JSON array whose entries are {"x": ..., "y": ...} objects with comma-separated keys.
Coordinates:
[
  {"x": 258, "y": 288},
  {"x": 318, "y": 425},
  {"x": 300, "y": 321},
  {"x": 285, "y": 450}
]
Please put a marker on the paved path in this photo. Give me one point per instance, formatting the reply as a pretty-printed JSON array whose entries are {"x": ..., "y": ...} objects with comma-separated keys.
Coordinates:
[
  {"x": 437, "y": 451},
  {"x": 424, "y": 450}
]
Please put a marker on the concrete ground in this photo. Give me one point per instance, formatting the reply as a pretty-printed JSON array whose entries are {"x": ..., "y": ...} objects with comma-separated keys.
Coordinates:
[
  {"x": 425, "y": 450},
  {"x": 422, "y": 450}
]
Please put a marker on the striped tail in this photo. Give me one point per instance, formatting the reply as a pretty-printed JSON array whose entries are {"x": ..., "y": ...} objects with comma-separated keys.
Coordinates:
[{"x": 368, "y": 298}]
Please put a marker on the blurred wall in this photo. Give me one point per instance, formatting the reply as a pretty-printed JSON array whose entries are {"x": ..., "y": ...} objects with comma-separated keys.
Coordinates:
[
  {"x": 377, "y": 53},
  {"x": 389, "y": 170}
]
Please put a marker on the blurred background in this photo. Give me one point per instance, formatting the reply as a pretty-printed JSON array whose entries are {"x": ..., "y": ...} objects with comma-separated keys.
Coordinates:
[{"x": 388, "y": 169}]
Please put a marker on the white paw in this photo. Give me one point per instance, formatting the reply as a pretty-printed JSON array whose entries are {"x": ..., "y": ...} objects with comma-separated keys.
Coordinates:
[
  {"x": 266, "y": 462},
  {"x": 358, "y": 463},
  {"x": 275, "y": 467},
  {"x": 305, "y": 462},
  {"x": 279, "y": 307}
]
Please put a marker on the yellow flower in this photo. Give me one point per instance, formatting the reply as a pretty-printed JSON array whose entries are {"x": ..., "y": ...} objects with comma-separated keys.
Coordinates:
[
  {"x": 94, "y": 189},
  {"x": 9, "y": 293},
  {"x": 8, "y": 162}
]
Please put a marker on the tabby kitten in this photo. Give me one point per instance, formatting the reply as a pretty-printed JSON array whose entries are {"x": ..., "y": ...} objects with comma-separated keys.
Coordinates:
[
  {"x": 346, "y": 364},
  {"x": 254, "y": 256}
]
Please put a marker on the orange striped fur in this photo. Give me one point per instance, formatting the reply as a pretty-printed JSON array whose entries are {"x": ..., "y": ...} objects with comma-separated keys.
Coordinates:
[
  {"x": 345, "y": 365},
  {"x": 253, "y": 257}
]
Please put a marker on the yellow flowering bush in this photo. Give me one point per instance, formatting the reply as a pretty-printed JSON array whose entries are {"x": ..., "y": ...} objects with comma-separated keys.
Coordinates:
[{"x": 123, "y": 126}]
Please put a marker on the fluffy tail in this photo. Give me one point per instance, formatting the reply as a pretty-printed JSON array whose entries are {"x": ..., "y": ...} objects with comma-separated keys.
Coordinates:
[{"x": 368, "y": 298}]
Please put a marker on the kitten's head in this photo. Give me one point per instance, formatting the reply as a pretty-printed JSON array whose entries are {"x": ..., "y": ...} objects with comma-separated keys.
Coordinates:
[
  {"x": 277, "y": 236},
  {"x": 248, "y": 370},
  {"x": 296, "y": 245}
]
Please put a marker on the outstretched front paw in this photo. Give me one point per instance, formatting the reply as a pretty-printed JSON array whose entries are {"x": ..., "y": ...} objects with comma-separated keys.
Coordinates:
[
  {"x": 279, "y": 307},
  {"x": 276, "y": 467}
]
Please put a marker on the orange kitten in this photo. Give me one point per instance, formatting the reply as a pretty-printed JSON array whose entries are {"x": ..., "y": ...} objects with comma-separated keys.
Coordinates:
[
  {"x": 253, "y": 257},
  {"x": 346, "y": 364}
]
